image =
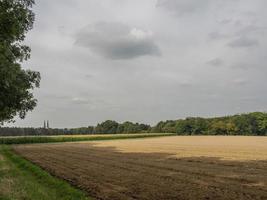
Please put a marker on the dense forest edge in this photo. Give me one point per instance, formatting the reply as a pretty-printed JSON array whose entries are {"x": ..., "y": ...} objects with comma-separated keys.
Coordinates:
[{"x": 241, "y": 124}]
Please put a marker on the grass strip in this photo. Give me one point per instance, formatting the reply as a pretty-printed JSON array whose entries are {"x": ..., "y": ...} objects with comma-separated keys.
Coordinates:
[
  {"x": 20, "y": 180},
  {"x": 49, "y": 139}
]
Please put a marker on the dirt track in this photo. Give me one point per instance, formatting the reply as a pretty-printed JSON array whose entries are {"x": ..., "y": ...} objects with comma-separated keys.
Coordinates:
[{"x": 171, "y": 167}]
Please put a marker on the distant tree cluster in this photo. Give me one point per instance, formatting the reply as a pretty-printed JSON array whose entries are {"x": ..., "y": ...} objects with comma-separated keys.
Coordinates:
[
  {"x": 107, "y": 127},
  {"x": 243, "y": 124},
  {"x": 113, "y": 127}
]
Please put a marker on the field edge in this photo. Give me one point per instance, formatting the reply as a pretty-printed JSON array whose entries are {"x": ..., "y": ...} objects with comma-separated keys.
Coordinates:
[
  {"x": 57, "y": 139},
  {"x": 62, "y": 187}
]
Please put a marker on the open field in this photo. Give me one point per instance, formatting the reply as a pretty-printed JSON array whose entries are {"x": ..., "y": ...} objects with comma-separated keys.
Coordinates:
[
  {"x": 179, "y": 167},
  {"x": 223, "y": 147},
  {"x": 74, "y": 138},
  {"x": 21, "y": 180}
]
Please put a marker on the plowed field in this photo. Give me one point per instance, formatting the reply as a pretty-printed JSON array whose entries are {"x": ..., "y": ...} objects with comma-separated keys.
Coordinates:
[{"x": 176, "y": 167}]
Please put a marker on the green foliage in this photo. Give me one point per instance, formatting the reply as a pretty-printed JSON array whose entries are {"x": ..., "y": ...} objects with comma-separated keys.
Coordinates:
[
  {"x": 54, "y": 139},
  {"x": 109, "y": 127},
  {"x": 130, "y": 127},
  {"x": 169, "y": 127},
  {"x": 112, "y": 127},
  {"x": 218, "y": 128},
  {"x": 16, "y": 84},
  {"x": 243, "y": 124}
]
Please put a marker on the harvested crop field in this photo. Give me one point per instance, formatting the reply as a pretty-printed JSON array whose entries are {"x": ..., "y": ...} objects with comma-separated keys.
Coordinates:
[{"x": 177, "y": 167}]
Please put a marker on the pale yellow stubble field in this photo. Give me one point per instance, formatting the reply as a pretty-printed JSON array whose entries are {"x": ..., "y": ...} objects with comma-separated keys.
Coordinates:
[{"x": 224, "y": 147}]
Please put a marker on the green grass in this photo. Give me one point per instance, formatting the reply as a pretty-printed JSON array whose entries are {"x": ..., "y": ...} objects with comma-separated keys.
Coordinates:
[
  {"x": 22, "y": 180},
  {"x": 51, "y": 139}
]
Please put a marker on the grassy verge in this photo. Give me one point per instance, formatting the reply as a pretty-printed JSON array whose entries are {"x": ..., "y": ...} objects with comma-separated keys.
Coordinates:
[
  {"x": 49, "y": 139},
  {"x": 22, "y": 180}
]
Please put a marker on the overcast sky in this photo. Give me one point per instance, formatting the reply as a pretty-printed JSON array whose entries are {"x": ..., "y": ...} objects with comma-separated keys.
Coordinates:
[{"x": 147, "y": 61}]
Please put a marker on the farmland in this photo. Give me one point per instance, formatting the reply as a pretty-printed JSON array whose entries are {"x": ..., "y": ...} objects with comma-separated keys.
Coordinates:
[
  {"x": 74, "y": 138},
  {"x": 22, "y": 180},
  {"x": 175, "y": 167}
]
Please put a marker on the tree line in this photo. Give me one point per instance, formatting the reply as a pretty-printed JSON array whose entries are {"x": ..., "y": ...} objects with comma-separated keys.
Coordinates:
[
  {"x": 106, "y": 127},
  {"x": 242, "y": 124}
]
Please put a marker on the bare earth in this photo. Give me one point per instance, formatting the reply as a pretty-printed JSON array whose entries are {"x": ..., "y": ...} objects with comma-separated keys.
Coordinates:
[{"x": 178, "y": 167}]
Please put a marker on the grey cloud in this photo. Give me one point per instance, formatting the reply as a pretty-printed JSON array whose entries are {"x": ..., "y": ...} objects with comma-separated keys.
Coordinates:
[
  {"x": 225, "y": 21},
  {"x": 216, "y": 62},
  {"x": 240, "y": 32},
  {"x": 55, "y": 96},
  {"x": 217, "y": 35},
  {"x": 89, "y": 76},
  {"x": 182, "y": 7},
  {"x": 242, "y": 66},
  {"x": 92, "y": 103},
  {"x": 242, "y": 42},
  {"x": 249, "y": 98},
  {"x": 186, "y": 84},
  {"x": 79, "y": 101},
  {"x": 61, "y": 30},
  {"x": 190, "y": 79},
  {"x": 117, "y": 41},
  {"x": 240, "y": 81},
  {"x": 250, "y": 29}
]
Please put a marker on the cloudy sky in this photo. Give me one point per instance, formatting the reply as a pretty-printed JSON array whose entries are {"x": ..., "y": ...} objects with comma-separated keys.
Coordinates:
[{"x": 147, "y": 61}]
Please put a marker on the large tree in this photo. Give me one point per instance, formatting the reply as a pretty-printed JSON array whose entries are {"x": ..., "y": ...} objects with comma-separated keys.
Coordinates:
[{"x": 16, "y": 84}]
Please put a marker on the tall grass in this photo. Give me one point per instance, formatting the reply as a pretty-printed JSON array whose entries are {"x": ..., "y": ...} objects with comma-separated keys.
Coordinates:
[{"x": 54, "y": 139}]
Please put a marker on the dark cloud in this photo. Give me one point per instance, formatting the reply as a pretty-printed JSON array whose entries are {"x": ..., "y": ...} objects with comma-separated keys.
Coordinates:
[
  {"x": 117, "y": 41},
  {"x": 243, "y": 42},
  {"x": 182, "y": 7}
]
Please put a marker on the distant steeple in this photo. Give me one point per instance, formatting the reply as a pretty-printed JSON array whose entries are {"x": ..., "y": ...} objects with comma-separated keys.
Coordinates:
[
  {"x": 47, "y": 124},
  {"x": 44, "y": 125}
]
